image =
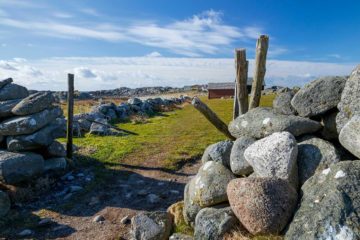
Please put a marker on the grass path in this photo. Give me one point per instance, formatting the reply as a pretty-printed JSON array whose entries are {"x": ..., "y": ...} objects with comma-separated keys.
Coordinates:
[{"x": 164, "y": 141}]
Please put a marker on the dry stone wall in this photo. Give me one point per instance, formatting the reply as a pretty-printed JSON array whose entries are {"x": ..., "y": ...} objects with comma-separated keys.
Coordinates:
[
  {"x": 29, "y": 126},
  {"x": 294, "y": 169}
]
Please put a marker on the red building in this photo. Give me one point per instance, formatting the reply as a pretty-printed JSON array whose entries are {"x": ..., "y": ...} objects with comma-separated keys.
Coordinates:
[{"x": 225, "y": 90}]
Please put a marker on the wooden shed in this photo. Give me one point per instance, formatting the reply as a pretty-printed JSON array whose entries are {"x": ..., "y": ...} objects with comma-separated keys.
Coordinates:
[{"x": 226, "y": 89}]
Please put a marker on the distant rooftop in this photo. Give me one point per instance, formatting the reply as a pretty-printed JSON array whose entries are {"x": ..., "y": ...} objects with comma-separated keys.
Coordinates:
[{"x": 228, "y": 85}]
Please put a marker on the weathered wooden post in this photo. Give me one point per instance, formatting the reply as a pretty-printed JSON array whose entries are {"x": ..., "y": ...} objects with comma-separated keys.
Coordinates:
[
  {"x": 212, "y": 117},
  {"x": 241, "y": 80},
  {"x": 70, "y": 111},
  {"x": 262, "y": 45}
]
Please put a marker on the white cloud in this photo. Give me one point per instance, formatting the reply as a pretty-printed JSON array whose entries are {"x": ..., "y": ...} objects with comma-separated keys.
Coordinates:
[
  {"x": 154, "y": 54},
  {"x": 112, "y": 72},
  {"x": 199, "y": 35}
]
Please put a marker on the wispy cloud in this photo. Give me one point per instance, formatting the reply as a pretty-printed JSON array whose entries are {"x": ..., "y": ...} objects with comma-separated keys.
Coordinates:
[
  {"x": 335, "y": 55},
  {"x": 90, "y": 11},
  {"x": 62, "y": 15},
  {"x": 202, "y": 34}
]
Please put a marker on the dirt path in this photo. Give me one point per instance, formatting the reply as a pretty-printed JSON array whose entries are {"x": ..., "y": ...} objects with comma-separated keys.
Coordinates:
[{"x": 120, "y": 197}]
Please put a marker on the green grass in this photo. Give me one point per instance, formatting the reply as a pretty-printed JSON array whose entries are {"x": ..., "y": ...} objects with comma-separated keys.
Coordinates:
[{"x": 164, "y": 141}]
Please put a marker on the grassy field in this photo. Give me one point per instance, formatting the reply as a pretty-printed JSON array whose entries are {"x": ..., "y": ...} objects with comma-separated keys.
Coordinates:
[{"x": 166, "y": 140}]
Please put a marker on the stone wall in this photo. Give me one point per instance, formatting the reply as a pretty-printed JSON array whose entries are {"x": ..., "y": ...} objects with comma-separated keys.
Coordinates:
[
  {"x": 294, "y": 169},
  {"x": 29, "y": 125}
]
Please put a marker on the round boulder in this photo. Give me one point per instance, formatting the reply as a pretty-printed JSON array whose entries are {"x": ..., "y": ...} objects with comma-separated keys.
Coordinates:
[
  {"x": 210, "y": 184},
  {"x": 275, "y": 156},
  {"x": 238, "y": 163},
  {"x": 318, "y": 96},
  {"x": 263, "y": 205}
]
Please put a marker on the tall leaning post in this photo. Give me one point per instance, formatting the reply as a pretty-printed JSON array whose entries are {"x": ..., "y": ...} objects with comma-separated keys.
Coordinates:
[
  {"x": 70, "y": 114},
  {"x": 262, "y": 45},
  {"x": 241, "y": 80}
]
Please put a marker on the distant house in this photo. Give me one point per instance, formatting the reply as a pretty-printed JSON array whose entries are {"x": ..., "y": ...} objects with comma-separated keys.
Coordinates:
[{"x": 226, "y": 90}]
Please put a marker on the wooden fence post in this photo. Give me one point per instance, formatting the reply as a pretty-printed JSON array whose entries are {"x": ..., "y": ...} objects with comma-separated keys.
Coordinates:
[
  {"x": 70, "y": 110},
  {"x": 262, "y": 45},
  {"x": 212, "y": 117},
  {"x": 241, "y": 80}
]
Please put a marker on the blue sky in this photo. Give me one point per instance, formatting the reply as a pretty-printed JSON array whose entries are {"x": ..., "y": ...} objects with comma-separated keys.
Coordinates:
[{"x": 37, "y": 38}]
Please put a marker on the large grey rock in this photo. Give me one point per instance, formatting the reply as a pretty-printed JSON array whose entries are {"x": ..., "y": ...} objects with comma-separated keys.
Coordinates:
[
  {"x": 274, "y": 156},
  {"x": 349, "y": 105},
  {"x": 213, "y": 222},
  {"x": 238, "y": 163},
  {"x": 151, "y": 226},
  {"x": 218, "y": 152},
  {"x": 17, "y": 167},
  {"x": 263, "y": 205},
  {"x": 330, "y": 205},
  {"x": 34, "y": 103},
  {"x": 191, "y": 208},
  {"x": 29, "y": 124},
  {"x": 261, "y": 122},
  {"x": 350, "y": 136},
  {"x": 4, "y": 203},
  {"x": 13, "y": 91},
  {"x": 55, "y": 164},
  {"x": 314, "y": 154},
  {"x": 318, "y": 96},
  {"x": 210, "y": 184},
  {"x": 282, "y": 103},
  {"x": 7, "y": 106},
  {"x": 5, "y": 82},
  {"x": 41, "y": 138},
  {"x": 328, "y": 120}
]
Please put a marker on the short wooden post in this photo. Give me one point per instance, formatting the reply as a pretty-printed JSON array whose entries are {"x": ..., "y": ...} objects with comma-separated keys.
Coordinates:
[
  {"x": 241, "y": 80},
  {"x": 70, "y": 111},
  {"x": 212, "y": 117},
  {"x": 260, "y": 69}
]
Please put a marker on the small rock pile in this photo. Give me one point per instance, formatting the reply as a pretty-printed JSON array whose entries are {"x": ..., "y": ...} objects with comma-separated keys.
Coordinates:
[
  {"x": 96, "y": 122},
  {"x": 29, "y": 126},
  {"x": 293, "y": 169}
]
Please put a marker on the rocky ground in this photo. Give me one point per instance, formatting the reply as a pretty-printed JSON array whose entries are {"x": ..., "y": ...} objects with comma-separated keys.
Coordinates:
[{"x": 104, "y": 212}]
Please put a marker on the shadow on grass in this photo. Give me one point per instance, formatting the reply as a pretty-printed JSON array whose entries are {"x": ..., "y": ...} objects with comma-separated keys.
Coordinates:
[{"x": 113, "y": 187}]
